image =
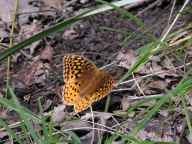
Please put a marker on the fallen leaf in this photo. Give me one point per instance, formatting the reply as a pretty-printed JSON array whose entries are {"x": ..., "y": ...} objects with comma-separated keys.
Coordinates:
[
  {"x": 157, "y": 130},
  {"x": 189, "y": 138},
  {"x": 150, "y": 68},
  {"x": 47, "y": 54},
  {"x": 47, "y": 104},
  {"x": 70, "y": 34},
  {"x": 3, "y": 134},
  {"x": 8, "y": 6},
  {"x": 125, "y": 103},
  {"x": 34, "y": 73},
  {"x": 27, "y": 31},
  {"x": 157, "y": 84},
  {"x": 3, "y": 32},
  {"x": 57, "y": 4},
  {"x": 126, "y": 59},
  {"x": 76, "y": 125},
  {"x": 59, "y": 114}
]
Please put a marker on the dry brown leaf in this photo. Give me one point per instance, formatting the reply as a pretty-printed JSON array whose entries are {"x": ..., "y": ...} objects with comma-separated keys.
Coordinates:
[
  {"x": 57, "y": 4},
  {"x": 8, "y": 6},
  {"x": 3, "y": 113},
  {"x": 102, "y": 118},
  {"x": 3, "y": 134},
  {"x": 34, "y": 73},
  {"x": 70, "y": 34},
  {"x": 47, "y": 104},
  {"x": 125, "y": 103},
  {"x": 189, "y": 97},
  {"x": 157, "y": 130},
  {"x": 126, "y": 59},
  {"x": 189, "y": 138},
  {"x": 27, "y": 31},
  {"x": 59, "y": 114},
  {"x": 58, "y": 90},
  {"x": 158, "y": 84},
  {"x": 150, "y": 68},
  {"x": 75, "y": 125},
  {"x": 3, "y": 32},
  {"x": 47, "y": 54}
]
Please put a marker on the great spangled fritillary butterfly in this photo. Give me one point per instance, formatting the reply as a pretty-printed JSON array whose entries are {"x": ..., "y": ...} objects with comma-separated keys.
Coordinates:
[{"x": 84, "y": 82}]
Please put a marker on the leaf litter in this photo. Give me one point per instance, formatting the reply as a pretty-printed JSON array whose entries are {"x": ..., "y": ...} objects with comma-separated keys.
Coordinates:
[{"x": 37, "y": 69}]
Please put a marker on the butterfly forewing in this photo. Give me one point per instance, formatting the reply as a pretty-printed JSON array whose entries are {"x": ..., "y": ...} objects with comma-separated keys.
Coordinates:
[{"x": 78, "y": 72}]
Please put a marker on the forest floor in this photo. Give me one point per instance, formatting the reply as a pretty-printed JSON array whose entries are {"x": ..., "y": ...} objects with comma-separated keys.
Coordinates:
[{"x": 111, "y": 37}]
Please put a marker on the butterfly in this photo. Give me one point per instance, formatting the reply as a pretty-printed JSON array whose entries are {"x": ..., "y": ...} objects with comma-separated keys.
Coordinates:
[{"x": 84, "y": 82}]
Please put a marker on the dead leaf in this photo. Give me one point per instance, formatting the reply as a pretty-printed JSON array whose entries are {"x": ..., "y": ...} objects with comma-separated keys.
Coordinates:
[
  {"x": 189, "y": 97},
  {"x": 27, "y": 31},
  {"x": 99, "y": 117},
  {"x": 150, "y": 68},
  {"x": 47, "y": 54},
  {"x": 126, "y": 59},
  {"x": 70, "y": 34},
  {"x": 8, "y": 6},
  {"x": 59, "y": 114},
  {"x": 34, "y": 73},
  {"x": 3, "y": 134},
  {"x": 3, "y": 32},
  {"x": 189, "y": 138},
  {"x": 158, "y": 84},
  {"x": 125, "y": 103},
  {"x": 47, "y": 104},
  {"x": 157, "y": 130},
  {"x": 75, "y": 125},
  {"x": 57, "y": 4},
  {"x": 3, "y": 113},
  {"x": 164, "y": 113}
]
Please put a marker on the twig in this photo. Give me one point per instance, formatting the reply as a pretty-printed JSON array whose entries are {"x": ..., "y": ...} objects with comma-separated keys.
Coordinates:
[
  {"x": 155, "y": 73},
  {"x": 171, "y": 13},
  {"x": 93, "y": 124}
]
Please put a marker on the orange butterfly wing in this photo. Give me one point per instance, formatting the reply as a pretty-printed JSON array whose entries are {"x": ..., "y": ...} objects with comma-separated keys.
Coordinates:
[{"x": 84, "y": 82}]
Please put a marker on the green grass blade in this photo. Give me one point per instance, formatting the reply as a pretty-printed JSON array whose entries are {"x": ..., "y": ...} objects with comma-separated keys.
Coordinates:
[
  {"x": 183, "y": 87},
  {"x": 25, "y": 118},
  {"x": 10, "y": 132},
  {"x": 107, "y": 7},
  {"x": 10, "y": 104},
  {"x": 47, "y": 137},
  {"x": 14, "y": 105},
  {"x": 144, "y": 54},
  {"x": 57, "y": 27},
  {"x": 186, "y": 114},
  {"x": 38, "y": 36}
]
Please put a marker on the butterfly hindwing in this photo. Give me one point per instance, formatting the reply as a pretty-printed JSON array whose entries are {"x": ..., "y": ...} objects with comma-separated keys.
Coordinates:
[
  {"x": 105, "y": 85},
  {"x": 103, "y": 88}
]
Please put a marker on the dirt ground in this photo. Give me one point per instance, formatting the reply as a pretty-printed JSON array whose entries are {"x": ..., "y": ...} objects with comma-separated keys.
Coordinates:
[{"x": 91, "y": 38}]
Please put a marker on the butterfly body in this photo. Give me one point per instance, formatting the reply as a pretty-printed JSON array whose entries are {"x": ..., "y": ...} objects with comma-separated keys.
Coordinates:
[{"x": 84, "y": 82}]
